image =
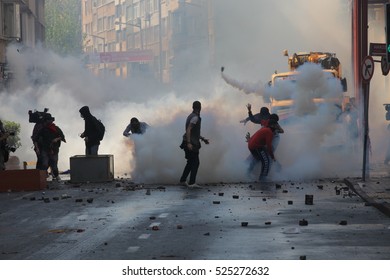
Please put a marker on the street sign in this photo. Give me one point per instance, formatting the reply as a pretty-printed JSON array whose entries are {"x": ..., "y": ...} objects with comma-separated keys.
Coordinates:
[
  {"x": 114, "y": 57},
  {"x": 377, "y": 49},
  {"x": 385, "y": 66},
  {"x": 367, "y": 68}
]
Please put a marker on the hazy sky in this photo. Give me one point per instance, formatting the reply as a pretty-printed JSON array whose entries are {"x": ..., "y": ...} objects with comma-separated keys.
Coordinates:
[{"x": 251, "y": 35}]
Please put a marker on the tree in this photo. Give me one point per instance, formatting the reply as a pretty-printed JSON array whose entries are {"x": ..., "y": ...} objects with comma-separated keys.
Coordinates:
[
  {"x": 63, "y": 26},
  {"x": 14, "y": 140}
]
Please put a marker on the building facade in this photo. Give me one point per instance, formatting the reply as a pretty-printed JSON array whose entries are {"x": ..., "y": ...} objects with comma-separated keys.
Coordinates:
[
  {"x": 131, "y": 38},
  {"x": 22, "y": 22}
]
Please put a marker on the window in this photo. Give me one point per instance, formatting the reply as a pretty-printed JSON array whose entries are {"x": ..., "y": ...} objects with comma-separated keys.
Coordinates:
[
  {"x": 100, "y": 25},
  {"x": 8, "y": 20}
]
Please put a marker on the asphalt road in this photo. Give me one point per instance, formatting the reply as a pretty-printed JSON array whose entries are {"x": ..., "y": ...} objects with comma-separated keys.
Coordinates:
[{"x": 121, "y": 220}]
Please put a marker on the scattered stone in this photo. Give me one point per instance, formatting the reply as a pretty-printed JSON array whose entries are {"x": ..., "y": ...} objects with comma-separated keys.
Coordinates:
[
  {"x": 152, "y": 218},
  {"x": 46, "y": 200},
  {"x": 216, "y": 202},
  {"x": 221, "y": 194},
  {"x": 321, "y": 187},
  {"x": 32, "y": 198},
  {"x": 235, "y": 196},
  {"x": 267, "y": 223},
  {"x": 264, "y": 199},
  {"x": 309, "y": 199},
  {"x": 79, "y": 200},
  {"x": 155, "y": 228},
  {"x": 290, "y": 202},
  {"x": 80, "y": 230},
  {"x": 118, "y": 185},
  {"x": 90, "y": 200},
  {"x": 343, "y": 223},
  {"x": 303, "y": 222},
  {"x": 244, "y": 224},
  {"x": 207, "y": 234},
  {"x": 302, "y": 257},
  {"x": 278, "y": 186},
  {"x": 147, "y": 192},
  {"x": 285, "y": 191},
  {"x": 179, "y": 227},
  {"x": 56, "y": 198}
]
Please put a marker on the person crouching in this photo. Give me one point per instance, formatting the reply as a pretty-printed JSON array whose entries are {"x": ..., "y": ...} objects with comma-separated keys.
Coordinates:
[{"x": 260, "y": 146}]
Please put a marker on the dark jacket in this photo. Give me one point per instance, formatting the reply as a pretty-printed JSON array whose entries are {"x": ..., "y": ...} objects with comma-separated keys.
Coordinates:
[
  {"x": 45, "y": 137},
  {"x": 90, "y": 129}
]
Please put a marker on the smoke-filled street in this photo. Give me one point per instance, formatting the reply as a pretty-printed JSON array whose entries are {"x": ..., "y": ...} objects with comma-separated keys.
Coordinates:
[
  {"x": 153, "y": 132},
  {"x": 319, "y": 219}
]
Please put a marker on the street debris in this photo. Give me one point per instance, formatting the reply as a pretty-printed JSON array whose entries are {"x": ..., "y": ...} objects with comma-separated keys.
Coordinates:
[
  {"x": 309, "y": 199},
  {"x": 303, "y": 222},
  {"x": 267, "y": 223},
  {"x": 216, "y": 202},
  {"x": 302, "y": 257},
  {"x": 179, "y": 227},
  {"x": 90, "y": 200},
  {"x": 290, "y": 202},
  {"x": 235, "y": 196},
  {"x": 244, "y": 224},
  {"x": 343, "y": 223}
]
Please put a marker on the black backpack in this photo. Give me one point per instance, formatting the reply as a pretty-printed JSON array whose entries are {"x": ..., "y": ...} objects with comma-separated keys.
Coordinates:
[{"x": 100, "y": 129}]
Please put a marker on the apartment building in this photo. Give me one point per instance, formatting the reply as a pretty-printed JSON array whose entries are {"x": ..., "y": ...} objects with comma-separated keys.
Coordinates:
[
  {"x": 131, "y": 38},
  {"x": 22, "y": 22}
]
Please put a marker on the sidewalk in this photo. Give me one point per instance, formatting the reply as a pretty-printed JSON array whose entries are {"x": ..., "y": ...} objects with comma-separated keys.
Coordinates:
[{"x": 375, "y": 190}]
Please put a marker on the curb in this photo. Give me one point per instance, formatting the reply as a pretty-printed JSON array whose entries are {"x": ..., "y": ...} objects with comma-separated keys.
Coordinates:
[{"x": 384, "y": 207}]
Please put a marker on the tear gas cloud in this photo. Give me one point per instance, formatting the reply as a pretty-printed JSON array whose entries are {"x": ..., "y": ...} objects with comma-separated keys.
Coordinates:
[{"x": 271, "y": 26}]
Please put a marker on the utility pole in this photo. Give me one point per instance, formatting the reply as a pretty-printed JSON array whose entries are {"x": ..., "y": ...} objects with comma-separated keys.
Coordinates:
[
  {"x": 104, "y": 50},
  {"x": 160, "y": 41}
]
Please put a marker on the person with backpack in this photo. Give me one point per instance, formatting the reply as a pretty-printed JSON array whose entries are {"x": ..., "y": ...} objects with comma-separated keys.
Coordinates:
[{"x": 93, "y": 131}]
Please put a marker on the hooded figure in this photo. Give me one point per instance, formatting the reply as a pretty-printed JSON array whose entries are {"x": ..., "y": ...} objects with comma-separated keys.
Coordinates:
[{"x": 91, "y": 132}]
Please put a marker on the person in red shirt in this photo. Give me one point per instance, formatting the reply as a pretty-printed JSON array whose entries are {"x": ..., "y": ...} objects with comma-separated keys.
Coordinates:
[{"x": 260, "y": 146}]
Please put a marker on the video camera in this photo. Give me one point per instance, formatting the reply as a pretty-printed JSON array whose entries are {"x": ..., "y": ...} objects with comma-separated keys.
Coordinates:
[{"x": 37, "y": 116}]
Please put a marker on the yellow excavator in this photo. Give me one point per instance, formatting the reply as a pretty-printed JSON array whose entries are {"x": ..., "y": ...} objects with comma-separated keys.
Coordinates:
[{"x": 281, "y": 101}]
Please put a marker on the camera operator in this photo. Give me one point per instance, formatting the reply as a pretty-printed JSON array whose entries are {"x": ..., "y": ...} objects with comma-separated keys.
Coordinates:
[
  {"x": 47, "y": 145},
  {"x": 38, "y": 118},
  {"x": 4, "y": 151}
]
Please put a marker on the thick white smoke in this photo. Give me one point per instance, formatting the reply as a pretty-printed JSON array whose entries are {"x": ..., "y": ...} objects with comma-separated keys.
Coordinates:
[{"x": 270, "y": 27}]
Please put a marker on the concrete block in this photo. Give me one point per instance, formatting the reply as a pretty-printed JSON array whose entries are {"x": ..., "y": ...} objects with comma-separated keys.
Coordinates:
[
  {"x": 22, "y": 180},
  {"x": 85, "y": 169}
]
